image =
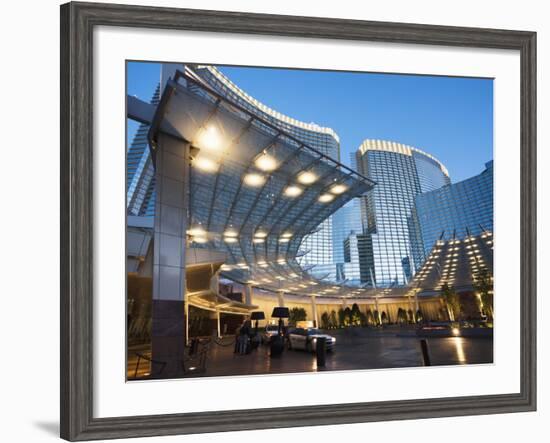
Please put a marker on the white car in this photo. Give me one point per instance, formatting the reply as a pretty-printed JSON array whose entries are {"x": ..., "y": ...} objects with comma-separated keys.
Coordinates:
[{"x": 306, "y": 339}]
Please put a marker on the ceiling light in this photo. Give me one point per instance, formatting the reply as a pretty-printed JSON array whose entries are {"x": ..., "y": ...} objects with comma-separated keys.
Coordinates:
[
  {"x": 258, "y": 240},
  {"x": 266, "y": 163},
  {"x": 293, "y": 191},
  {"x": 260, "y": 234},
  {"x": 254, "y": 179},
  {"x": 231, "y": 233},
  {"x": 325, "y": 198},
  {"x": 230, "y": 239},
  {"x": 287, "y": 234},
  {"x": 307, "y": 177},
  {"x": 205, "y": 164},
  {"x": 338, "y": 189},
  {"x": 200, "y": 239},
  {"x": 197, "y": 230},
  {"x": 210, "y": 139},
  {"x": 284, "y": 240}
]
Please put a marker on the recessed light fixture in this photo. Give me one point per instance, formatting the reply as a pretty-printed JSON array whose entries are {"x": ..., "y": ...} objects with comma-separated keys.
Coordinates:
[
  {"x": 287, "y": 234},
  {"x": 258, "y": 240},
  {"x": 210, "y": 139},
  {"x": 254, "y": 179},
  {"x": 260, "y": 234},
  {"x": 200, "y": 239},
  {"x": 338, "y": 189},
  {"x": 266, "y": 163},
  {"x": 197, "y": 231},
  {"x": 325, "y": 198},
  {"x": 293, "y": 191},
  {"x": 230, "y": 239},
  {"x": 307, "y": 177},
  {"x": 205, "y": 164},
  {"x": 230, "y": 233},
  {"x": 284, "y": 240}
]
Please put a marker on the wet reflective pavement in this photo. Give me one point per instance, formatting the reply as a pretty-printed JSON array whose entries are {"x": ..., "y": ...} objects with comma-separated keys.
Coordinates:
[{"x": 366, "y": 350}]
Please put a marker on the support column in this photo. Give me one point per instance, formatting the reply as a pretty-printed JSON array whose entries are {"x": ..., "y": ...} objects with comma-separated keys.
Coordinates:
[
  {"x": 248, "y": 294},
  {"x": 416, "y": 304},
  {"x": 218, "y": 323},
  {"x": 314, "y": 311},
  {"x": 378, "y": 316},
  {"x": 281, "y": 298},
  {"x": 169, "y": 323}
]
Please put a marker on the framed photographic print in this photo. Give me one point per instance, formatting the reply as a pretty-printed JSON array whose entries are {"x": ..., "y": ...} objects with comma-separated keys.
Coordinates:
[{"x": 273, "y": 221}]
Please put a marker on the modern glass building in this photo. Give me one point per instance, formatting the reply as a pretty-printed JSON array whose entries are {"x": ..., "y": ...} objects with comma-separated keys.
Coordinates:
[
  {"x": 457, "y": 210},
  {"x": 401, "y": 173},
  {"x": 140, "y": 180}
]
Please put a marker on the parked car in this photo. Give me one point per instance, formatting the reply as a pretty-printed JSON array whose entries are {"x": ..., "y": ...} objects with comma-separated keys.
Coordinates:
[
  {"x": 306, "y": 339},
  {"x": 270, "y": 331}
]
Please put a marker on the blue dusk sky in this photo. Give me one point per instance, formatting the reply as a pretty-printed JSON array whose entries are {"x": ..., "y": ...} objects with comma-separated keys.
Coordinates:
[{"x": 448, "y": 117}]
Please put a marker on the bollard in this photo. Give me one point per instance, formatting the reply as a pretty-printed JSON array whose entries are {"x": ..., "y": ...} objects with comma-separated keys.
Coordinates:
[
  {"x": 321, "y": 351},
  {"x": 425, "y": 353}
]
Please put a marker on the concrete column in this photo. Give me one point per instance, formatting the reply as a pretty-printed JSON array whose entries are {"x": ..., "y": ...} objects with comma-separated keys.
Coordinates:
[
  {"x": 377, "y": 307},
  {"x": 186, "y": 316},
  {"x": 248, "y": 294},
  {"x": 168, "y": 335},
  {"x": 416, "y": 304},
  {"x": 314, "y": 311},
  {"x": 281, "y": 297},
  {"x": 218, "y": 323}
]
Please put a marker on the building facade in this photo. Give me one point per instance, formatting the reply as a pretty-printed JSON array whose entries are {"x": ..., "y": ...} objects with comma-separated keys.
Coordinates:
[
  {"x": 401, "y": 173},
  {"x": 455, "y": 211}
]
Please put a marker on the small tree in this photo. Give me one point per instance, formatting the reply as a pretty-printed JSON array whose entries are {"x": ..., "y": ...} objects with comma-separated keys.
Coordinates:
[
  {"x": 333, "y": 321},
  {"x": 401, "y": 316},
  {"x": 296, "y": 315},
  {"x": 355, "y": 315},
  {"x": 484, "y": 287},
  {"x": 452, "y": 301},
  {"x": 325, "y": 320}
]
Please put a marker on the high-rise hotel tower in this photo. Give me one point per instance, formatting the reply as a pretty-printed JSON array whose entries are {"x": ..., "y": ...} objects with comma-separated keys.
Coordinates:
[{"x": 401, "y": 172}]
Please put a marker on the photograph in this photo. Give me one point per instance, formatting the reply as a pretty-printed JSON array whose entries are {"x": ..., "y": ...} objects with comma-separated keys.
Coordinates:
[{"x": 284, "y": 220}]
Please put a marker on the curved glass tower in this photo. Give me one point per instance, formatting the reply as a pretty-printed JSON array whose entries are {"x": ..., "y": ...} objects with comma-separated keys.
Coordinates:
[
  {"x": 456, "y": 211},
  {"x": 401, "y": 173}
]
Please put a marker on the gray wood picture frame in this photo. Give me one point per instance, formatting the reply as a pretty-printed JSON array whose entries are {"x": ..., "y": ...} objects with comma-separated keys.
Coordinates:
[{"x": 77, "y": 24}]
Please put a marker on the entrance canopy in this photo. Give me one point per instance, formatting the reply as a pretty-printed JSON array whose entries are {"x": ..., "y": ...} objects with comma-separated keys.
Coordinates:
[{"x": 255, "y": 192}]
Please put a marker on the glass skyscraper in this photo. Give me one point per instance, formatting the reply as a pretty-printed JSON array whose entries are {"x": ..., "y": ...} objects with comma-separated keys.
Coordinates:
[
  {"x": 140, "y": 174},
  {"x": 401, "y": 173},
  {"x": 457, "y": 210}
]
